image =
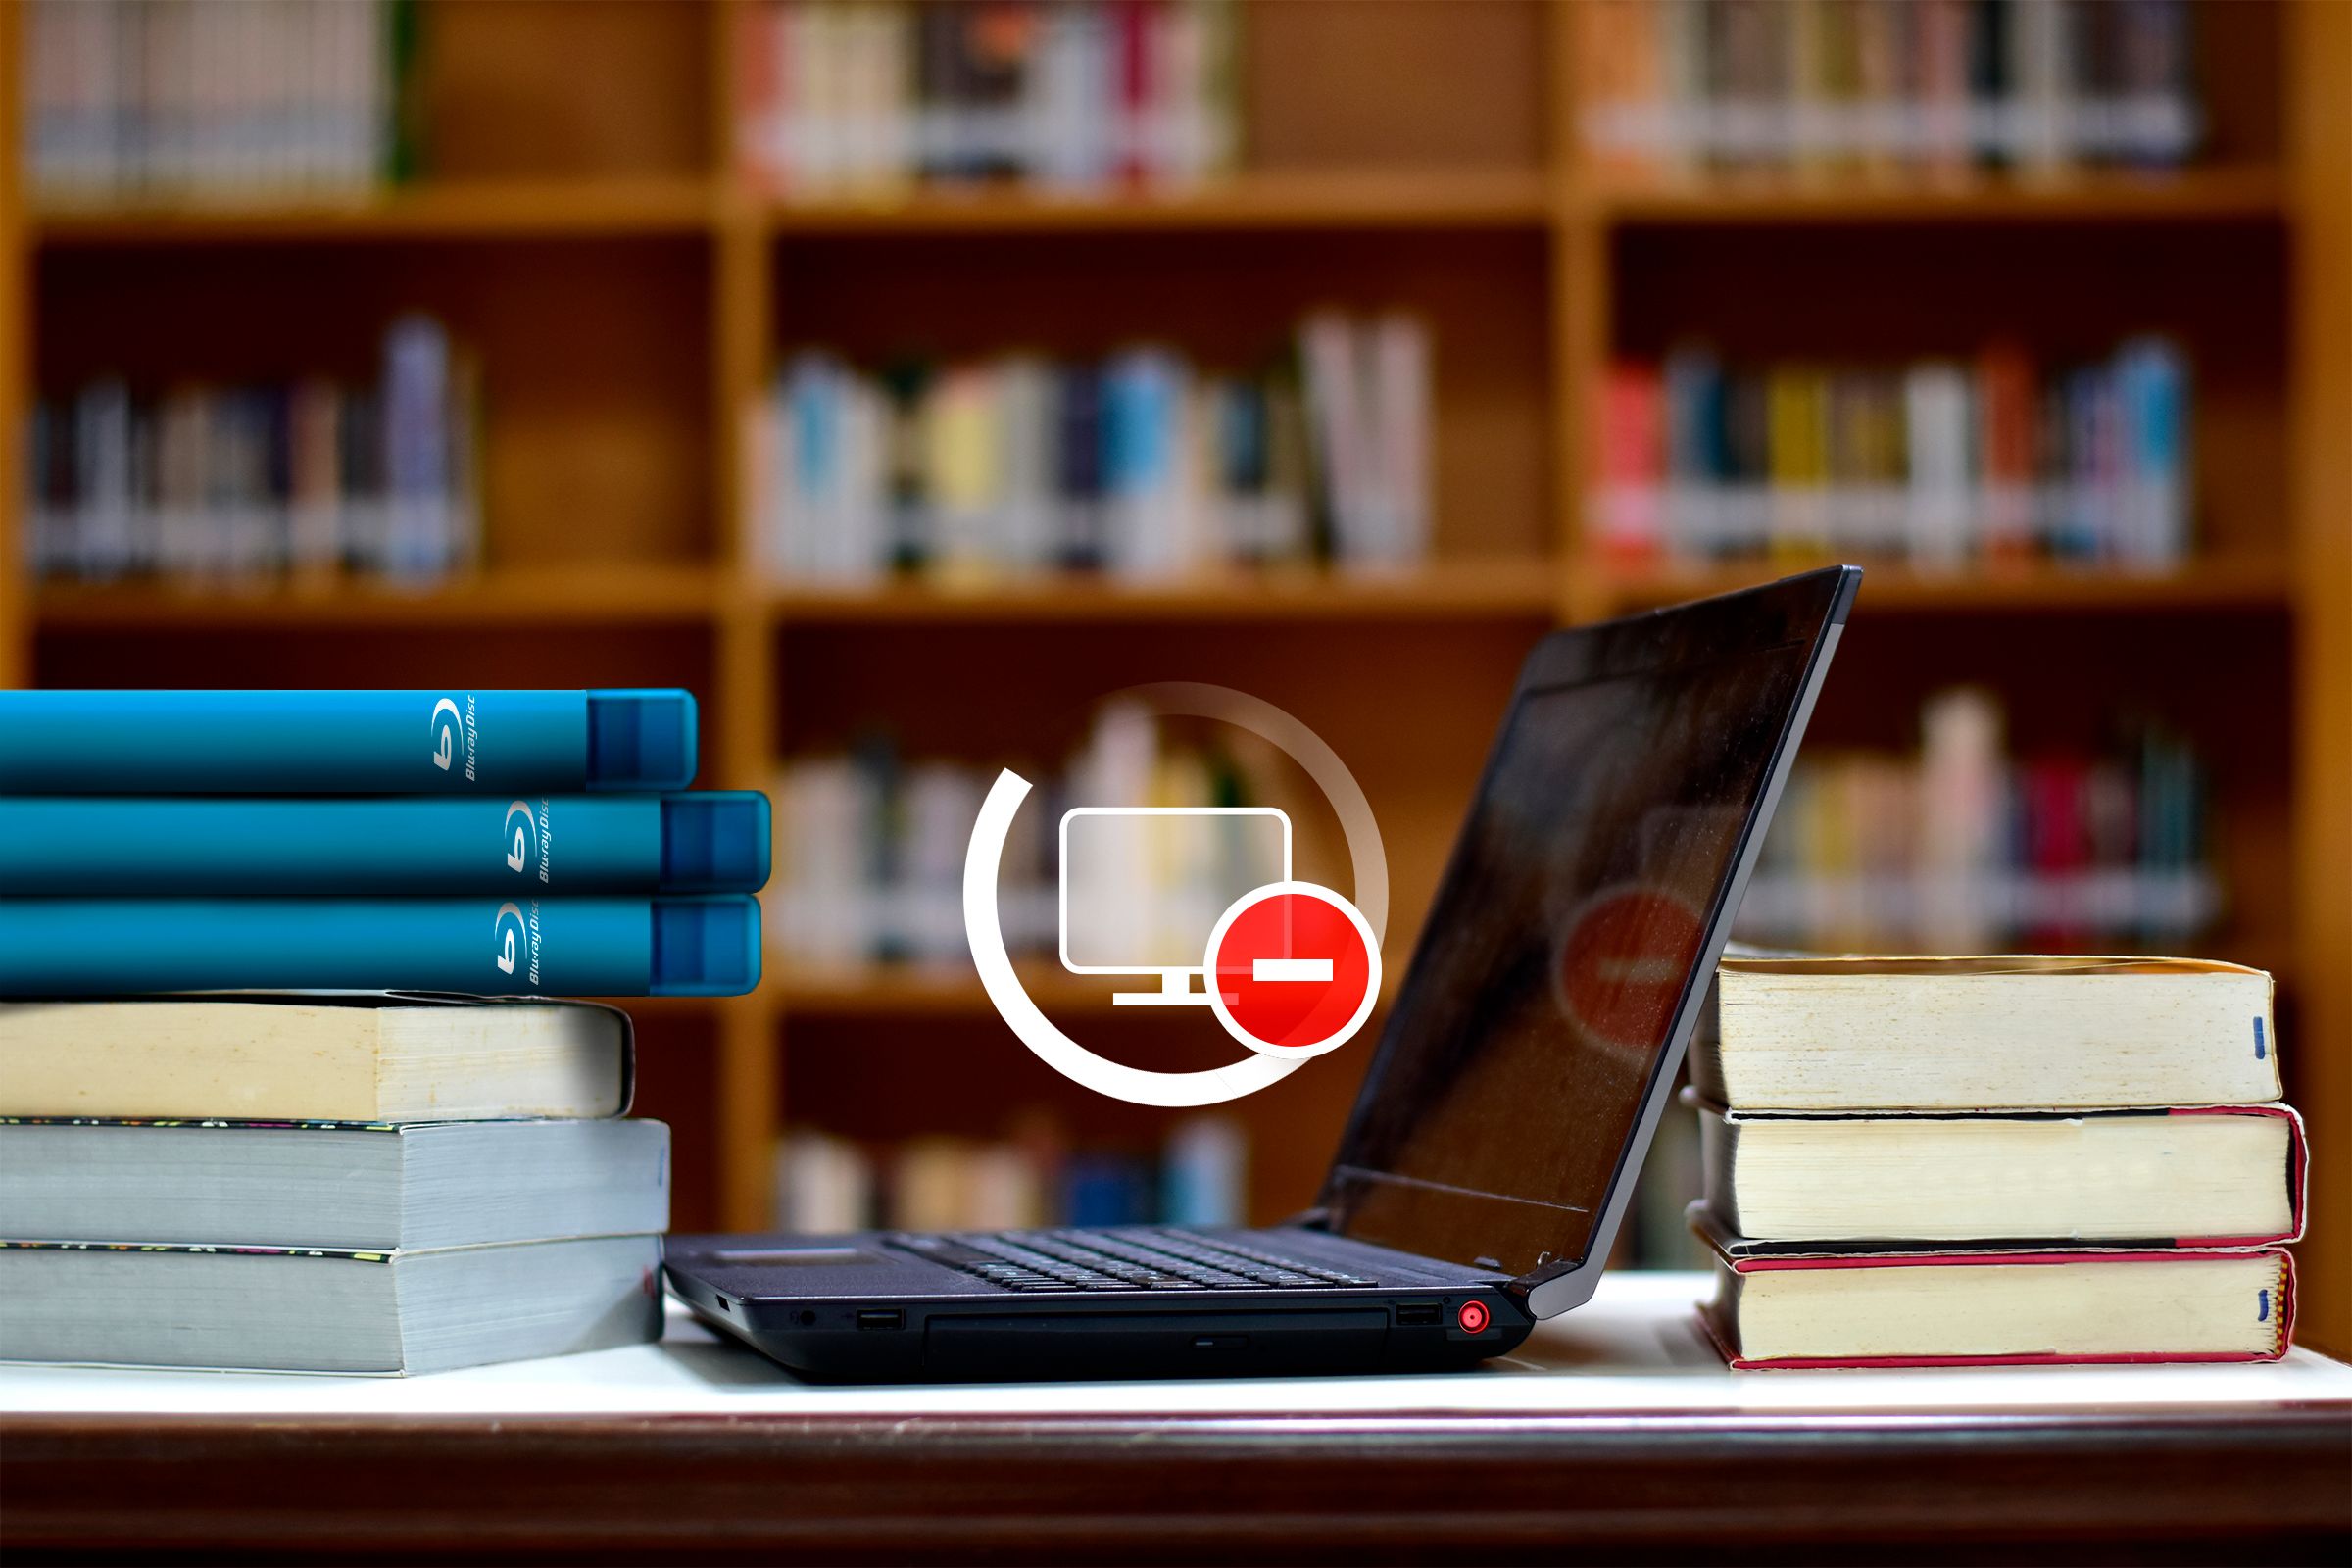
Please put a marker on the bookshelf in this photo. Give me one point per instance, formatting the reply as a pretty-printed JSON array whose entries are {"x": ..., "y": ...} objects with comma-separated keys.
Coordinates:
[{"x": 583, "y": 228}]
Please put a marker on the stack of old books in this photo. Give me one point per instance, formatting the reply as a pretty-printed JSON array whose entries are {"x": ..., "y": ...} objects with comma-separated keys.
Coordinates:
[
  {"x": 288, "y": 1078},
  {"x": 1945, "y": 1161},
  {"x": 324, "y": 1183}
]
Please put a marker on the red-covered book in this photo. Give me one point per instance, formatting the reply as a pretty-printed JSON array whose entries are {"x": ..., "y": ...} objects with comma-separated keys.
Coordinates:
[
  {"x": 1924, "y": 1308},
  {"x": 1629, "y": 451}
]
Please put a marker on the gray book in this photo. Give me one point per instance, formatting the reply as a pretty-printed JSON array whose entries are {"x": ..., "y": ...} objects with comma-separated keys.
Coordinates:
[
  {"x": 337, "y": 1185},
  {"x": 279, "y": 1309}
]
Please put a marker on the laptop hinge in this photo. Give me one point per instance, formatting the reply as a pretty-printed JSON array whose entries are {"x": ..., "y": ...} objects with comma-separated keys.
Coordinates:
[
  {"x": 1555, "y": 1288},
  {"x": 1317, "y": 1218},
  {"x": 1520, "y": 1289}
]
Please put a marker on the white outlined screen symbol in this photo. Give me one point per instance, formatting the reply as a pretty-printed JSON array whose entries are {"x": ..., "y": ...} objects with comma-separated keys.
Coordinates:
[{"x": 1141, "y": 887}]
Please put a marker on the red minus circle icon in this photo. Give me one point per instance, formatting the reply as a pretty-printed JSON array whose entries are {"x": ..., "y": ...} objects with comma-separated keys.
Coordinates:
[
  {"x": 1472, "y": 1317},
  {"x": 1293, "y": 969}
]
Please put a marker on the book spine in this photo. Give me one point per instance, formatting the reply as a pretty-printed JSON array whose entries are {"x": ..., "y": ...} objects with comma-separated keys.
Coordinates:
[
  {"x": 2298, "y": 1172},
  {"x": 760, "y": 97},
  {"x": 1628, "y": 451},
  {"x": 713, "y": 842},
  {"x": 344, "y": 742},
  {"x": 1135, "y": 56},
  {"x": 483, "y": 945}
]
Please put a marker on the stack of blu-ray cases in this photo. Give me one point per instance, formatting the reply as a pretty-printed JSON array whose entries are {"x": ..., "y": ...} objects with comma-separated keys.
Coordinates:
[
  {"x": 247, "y": 869},
  {"x": 516, "y": 843}
]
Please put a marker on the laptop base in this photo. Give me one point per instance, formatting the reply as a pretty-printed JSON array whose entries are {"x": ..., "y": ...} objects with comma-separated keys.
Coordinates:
[{"x": 871, "y": 1308}]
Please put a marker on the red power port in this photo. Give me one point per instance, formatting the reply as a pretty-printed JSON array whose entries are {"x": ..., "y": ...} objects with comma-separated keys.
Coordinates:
[{"x": 1472, "y": 1317}]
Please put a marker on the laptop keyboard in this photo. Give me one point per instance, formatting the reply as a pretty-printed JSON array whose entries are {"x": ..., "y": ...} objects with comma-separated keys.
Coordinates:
[{"x": 1127, "y": 1259}]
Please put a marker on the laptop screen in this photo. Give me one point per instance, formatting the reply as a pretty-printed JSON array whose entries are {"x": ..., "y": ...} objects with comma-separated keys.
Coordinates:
[{"x": 1585, "y": 894}]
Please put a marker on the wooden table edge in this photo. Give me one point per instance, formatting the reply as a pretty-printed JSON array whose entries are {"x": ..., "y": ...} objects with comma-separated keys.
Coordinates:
[{"x": 1072, "y": 1485}]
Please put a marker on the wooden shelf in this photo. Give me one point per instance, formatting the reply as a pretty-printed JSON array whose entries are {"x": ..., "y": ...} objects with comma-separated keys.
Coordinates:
[
  {"x": 597, "y": 595},
  {"x": 1406, "y": 198},
  {"x": 1466, "y": 589},
  {"x": 622, "y": 594},
  {"x": 1506, "y": 198},
  {"x": 2221, "y": 583},
  {"x": 2246, "y": 193},
  {"x": 537, "y": 209},
  {"x": 594, "y": 208}
]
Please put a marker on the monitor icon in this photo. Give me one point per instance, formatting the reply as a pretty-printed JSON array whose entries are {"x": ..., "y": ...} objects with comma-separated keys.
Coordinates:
[
  {"x": 1142, "y": 888},
  {"x": 1179, "y": 891}
]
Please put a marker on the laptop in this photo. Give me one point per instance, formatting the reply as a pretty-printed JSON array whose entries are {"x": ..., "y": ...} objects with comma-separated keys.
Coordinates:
[{"x": 1495, "y": 1145}]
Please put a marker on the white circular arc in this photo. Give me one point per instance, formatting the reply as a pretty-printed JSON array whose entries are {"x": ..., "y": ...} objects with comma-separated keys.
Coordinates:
[{"x": 1137, "y": 1085}]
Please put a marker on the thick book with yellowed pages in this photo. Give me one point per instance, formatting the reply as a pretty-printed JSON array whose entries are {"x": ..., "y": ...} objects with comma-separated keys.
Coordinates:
[
  {"x": 2191, "y": 1176},
  {"x": 373, "y": 1056},
  {"x": 1926, "y": 1307},
  {"x": 1985, "y": 1033}
]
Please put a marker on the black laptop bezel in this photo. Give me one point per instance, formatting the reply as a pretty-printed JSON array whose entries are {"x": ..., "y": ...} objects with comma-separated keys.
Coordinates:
[{"x": 1811, "y": 612}]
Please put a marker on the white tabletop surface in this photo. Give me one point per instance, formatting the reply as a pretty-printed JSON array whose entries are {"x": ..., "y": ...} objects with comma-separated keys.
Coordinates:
[{"x": 1636, "y": 1348}]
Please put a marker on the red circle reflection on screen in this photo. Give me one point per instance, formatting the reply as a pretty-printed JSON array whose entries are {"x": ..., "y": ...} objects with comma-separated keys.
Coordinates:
[{"x": 1622, "y": 964}]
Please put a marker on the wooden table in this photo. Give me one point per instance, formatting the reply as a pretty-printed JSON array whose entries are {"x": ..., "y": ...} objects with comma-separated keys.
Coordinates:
[{"x": 1617, "y": 1435}]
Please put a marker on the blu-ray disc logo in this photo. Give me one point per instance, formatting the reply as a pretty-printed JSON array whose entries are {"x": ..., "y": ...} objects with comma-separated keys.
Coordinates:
[
  {"x": 453, "y": 732},
  {"x": 444, "y": 733},
  {"x": 511, "y": 936},
  {"x": 524, "y": 830}
]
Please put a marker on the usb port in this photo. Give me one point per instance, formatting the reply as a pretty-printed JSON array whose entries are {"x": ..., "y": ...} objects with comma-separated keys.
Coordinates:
[
  {"x": 891, "y": 1317},
  {"x": 1417, "y": 1315}
]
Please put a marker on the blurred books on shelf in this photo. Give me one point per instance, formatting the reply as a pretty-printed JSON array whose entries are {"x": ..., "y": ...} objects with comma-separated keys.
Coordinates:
[
  {"x": 870, "y": 850},
  {"x": 1940, "y": 463},
  {"x": 1909, "y": 86},
  {"x": 1962, "y": 847},
  {"x": 867, "y": 100},
  {"x": 870, "y": 862},
  {"x": 305, "y": 479},
  {"x": 1140, "y": 467},
  {"x": 139, "y": 100},
  {"x": 827, "y": 1184}
]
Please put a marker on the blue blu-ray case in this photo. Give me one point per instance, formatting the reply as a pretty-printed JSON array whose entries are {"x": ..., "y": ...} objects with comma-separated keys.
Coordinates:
[
  {"x": 483, "y": 945},
  {"x": 544, "y": 845},
  {"x": 352, "y": 742}
]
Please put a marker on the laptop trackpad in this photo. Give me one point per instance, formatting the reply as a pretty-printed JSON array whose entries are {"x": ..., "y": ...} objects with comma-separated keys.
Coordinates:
[{"x": 1046, "y": 1344}]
